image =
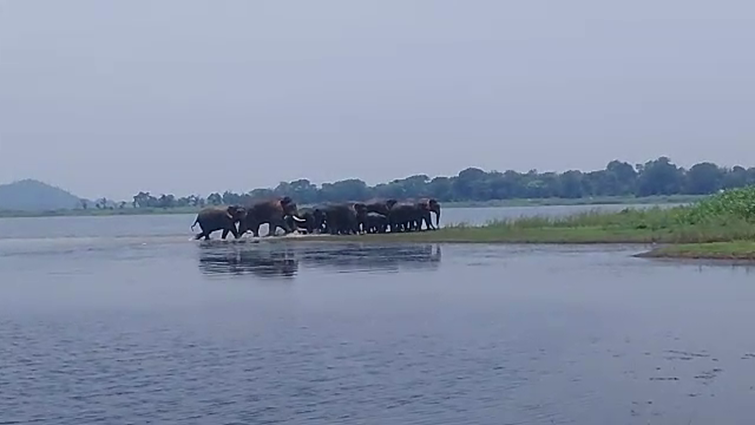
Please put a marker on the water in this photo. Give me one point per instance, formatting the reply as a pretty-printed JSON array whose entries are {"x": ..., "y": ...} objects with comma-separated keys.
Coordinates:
[{"x": 124, "y": 320}]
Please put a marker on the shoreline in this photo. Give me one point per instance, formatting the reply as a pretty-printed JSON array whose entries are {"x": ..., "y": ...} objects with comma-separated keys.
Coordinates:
[
  {"x": 503, "y": 203},
  {"x": 661, "y": 247}
]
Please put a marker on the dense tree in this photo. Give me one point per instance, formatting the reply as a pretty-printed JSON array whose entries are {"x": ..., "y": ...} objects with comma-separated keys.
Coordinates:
[
  {"x": 215, "y": 199},
  {"x": 703, "y": 178},
  {"x": 166, "y": 201},
  {"x": 657, "y": 177},
  {"x": 144, "y": 200}
]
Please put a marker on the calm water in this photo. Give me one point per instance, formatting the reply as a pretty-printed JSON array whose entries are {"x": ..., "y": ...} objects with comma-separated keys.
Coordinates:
[{"x": 124, "y": 320}]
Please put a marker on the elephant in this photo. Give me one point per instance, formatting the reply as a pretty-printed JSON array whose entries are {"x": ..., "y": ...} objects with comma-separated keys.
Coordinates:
[
  {"x": 211, "y": 219},
  {"x": 314, "y": 220},
  {"x": 408, "y": 216},
  {"x": 344, "y": 218},
  {"x": 376, "y": 223},
  {"x": 380, "y": 207},
  {"x": 429, "y": 205},
  {"x": 273, "y": 212}
]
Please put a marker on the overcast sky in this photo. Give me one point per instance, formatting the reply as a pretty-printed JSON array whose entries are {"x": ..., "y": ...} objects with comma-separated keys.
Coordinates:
[{"x": 179, "y": 96}]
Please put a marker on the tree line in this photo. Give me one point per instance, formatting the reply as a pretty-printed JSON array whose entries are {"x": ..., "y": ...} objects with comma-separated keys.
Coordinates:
[{"x": 618, "y": 178}]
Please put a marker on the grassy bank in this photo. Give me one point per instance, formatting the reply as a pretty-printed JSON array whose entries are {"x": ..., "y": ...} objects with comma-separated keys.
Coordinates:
[{"x": 608, "y": 200}]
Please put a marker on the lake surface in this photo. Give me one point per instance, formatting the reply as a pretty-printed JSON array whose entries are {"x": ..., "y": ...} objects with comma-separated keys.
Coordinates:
[{"x": 119, "y": 320}]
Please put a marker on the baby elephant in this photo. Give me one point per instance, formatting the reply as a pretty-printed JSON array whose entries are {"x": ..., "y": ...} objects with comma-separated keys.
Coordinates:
[{"x": 211, "y": 219}]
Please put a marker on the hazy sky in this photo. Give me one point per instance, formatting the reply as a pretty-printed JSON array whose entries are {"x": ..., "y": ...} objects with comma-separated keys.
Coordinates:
[{"x": 178, "y": 96}]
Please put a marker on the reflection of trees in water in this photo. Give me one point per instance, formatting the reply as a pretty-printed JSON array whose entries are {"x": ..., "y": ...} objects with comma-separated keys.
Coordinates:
[
  {"x": 241, "y": 260},
  {"x": 271, "y": 260}
]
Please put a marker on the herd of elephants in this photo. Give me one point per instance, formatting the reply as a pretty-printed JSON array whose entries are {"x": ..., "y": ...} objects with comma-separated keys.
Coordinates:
[{"x": 346, "y": 218}]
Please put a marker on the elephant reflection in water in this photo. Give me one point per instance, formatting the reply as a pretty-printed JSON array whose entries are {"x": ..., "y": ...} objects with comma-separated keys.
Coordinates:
[
  {"x": 365, "y": 257},
  {"x": 266, "y": 263}
]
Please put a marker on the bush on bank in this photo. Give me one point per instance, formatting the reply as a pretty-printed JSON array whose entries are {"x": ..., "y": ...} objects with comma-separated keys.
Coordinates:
[
  {"x": 726, "y": 216},
  {"x": 733, "y": 204}
]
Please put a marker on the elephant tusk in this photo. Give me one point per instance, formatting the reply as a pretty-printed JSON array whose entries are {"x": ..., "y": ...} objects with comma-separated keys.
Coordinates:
[{"x": 300, "y": 220}]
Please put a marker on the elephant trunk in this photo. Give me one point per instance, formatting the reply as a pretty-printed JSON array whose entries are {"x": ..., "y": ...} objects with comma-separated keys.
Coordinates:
[{"x": 437, "y": 217}]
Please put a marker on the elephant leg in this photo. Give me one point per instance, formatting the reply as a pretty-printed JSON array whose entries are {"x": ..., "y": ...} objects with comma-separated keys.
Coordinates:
[
  {"x": 288, "y": 228},
  {"x": 199, "y": 236},
  {"x": 230, "y": 229},
  {"x": 332, "y": 226},
  {"x": 255, "y": 230},
  {"x": 275, "y": 224},
  {"x": 429, "y": 222}
]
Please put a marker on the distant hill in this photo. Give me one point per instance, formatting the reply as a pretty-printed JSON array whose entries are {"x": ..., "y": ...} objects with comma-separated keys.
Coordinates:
[{"x": 33, "y": 195}]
